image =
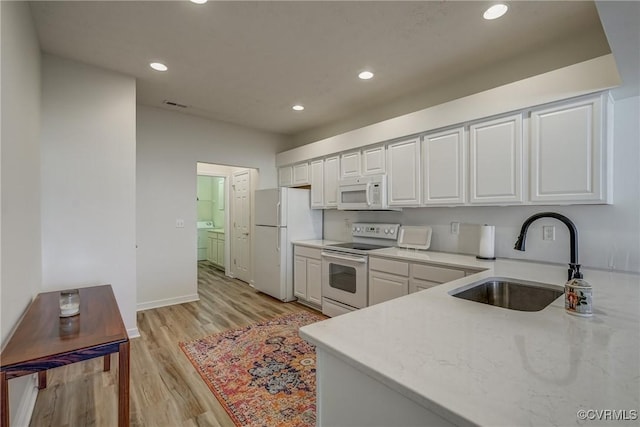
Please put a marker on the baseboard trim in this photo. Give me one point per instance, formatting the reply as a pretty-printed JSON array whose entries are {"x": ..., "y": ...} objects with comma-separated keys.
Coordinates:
[
  {"x": 24, "y": 412},
  {"x": 133, "y": 333},
  {"x": 168, "y": 301}
]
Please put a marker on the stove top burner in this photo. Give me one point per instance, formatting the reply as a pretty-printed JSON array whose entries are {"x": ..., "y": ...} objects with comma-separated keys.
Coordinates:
[{"x": 358, "y": 246}]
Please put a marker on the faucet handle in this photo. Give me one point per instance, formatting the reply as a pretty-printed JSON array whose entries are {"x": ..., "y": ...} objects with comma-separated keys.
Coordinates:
[{"x": 574, "y": 271}]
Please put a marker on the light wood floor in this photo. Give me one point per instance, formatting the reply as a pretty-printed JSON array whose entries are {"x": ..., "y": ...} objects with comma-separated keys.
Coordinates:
[{"x": 165, "y": 388}]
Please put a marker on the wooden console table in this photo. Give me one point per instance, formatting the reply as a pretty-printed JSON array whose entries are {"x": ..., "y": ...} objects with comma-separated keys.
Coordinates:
[{"x": 43, "y": 341}]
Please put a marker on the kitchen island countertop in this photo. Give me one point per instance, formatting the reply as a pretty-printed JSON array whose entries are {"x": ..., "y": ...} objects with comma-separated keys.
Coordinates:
[{"x": 473, "y": 363}]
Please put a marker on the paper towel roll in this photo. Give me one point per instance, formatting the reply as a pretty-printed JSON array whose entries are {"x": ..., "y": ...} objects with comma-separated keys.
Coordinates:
[{"x": 486, "y": 248}]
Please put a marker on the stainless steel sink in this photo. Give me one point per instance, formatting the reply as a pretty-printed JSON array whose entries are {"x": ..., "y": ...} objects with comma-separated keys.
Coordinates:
[{"x": 510, "y": 293}]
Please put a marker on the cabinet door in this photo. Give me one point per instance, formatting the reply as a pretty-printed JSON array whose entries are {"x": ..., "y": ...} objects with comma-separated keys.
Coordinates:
[
  {"x": 443, "y": 166},
  {"x": 212, "y": 249},
  {"x": 285, "y": 176},
  {"x": 350, "y": 165},
  {"x": 317, "y": 184},
  {"x": 220, "y": 258},
  {"x": 300, "y": 277},
  {"x": 403, "y": 166},
  {"x": 495, "y": 157},
  {"x": 301, "y": 174},
  {"x": 417, "y": 285},
  {"x": 314, "y": 282},
  {"x": 331, "y": 174},
  {"x": 373, "y": 160},
  {"x": 383, "y": 287},
  {"x": 567, "y": 153}
]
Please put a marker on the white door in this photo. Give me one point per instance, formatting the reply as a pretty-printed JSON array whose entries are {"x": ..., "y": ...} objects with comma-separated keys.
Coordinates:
[
  {"x": 350, "y": 165},
  {"x": 373, "y": 161},
  {"x": 495, "y": 157},
  {"x": 241, "y": 239},
  {"x": 443, "y": 165},
  {"x": 331, "y": 175},
  {"x": 567, "y": 153},
  {"x": 403, "y": 179},
  {"x": 317, "y": 184}
]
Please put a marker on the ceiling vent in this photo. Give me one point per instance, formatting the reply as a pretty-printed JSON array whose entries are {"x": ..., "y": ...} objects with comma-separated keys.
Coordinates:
[{"x": 174, "y": 104}]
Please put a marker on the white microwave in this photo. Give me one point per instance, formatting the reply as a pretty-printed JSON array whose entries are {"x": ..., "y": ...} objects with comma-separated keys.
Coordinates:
[{"x": 363, "y": 193}]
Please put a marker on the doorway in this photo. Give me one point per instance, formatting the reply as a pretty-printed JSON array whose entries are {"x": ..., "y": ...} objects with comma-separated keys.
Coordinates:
[{"x": 224, "y": 206}]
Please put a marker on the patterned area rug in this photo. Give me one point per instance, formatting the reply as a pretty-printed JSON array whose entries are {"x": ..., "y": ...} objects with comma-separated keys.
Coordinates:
[{"x": 263, "y": 374}]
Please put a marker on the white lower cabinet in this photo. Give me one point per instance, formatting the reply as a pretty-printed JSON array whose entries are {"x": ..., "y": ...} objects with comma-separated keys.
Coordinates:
[
  {"x": 215, "y": 250},
  {"x": 390, "y": 278},
  {"x": 307, "y": 282}
]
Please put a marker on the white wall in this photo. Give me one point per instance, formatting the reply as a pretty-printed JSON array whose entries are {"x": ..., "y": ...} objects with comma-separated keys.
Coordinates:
[
  {"x": 88, "y": 180},
  {"x": 169, "y": 146},
  {"x": 608, "y": 235},
  {"x": 21, "y": 274}
]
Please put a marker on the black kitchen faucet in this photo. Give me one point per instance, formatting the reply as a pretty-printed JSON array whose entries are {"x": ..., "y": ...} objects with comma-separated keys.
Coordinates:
[{"x": 574, "y": 267}]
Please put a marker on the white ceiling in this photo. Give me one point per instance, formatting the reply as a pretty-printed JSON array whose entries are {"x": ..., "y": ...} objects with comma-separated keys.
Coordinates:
[{"x": 249, "y": 62}]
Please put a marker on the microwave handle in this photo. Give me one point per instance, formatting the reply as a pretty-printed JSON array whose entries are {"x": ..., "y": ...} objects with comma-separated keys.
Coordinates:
[{"x": 367, "y": 194}]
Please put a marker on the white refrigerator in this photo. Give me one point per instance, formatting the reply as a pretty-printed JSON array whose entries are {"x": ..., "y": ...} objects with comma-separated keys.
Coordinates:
[{"x": 282, "y": 215}]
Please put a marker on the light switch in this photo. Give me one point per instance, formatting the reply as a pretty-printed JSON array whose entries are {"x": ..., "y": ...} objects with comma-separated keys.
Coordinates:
[{"x": 179, "y": 223}]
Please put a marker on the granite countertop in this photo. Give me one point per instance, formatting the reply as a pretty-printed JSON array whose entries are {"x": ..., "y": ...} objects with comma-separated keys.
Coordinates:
[{"x": 479, "y": 364}]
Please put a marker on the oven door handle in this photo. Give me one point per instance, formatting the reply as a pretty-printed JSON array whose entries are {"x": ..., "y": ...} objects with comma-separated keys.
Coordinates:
[{"x": 344, "y": 257}]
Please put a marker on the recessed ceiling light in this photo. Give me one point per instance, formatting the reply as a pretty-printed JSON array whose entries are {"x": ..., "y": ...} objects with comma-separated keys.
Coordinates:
[
  {"x": 298, "y": 107},
  {"x": 158, "y": 66},
  {"x": 495, "y": 11},
  {"x": 365, "y": 75},
  {"x": 198, "y": 1}
]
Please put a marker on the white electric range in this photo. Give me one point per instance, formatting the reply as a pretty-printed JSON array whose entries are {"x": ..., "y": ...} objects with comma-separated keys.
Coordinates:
[{"x": 345, "y": 280}]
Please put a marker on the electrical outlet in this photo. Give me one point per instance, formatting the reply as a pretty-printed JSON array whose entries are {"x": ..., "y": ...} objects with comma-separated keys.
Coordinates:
[
  {"x": 455, "y": 228},
  {"x": 548, "y": 232},
  {"x": 179, "y": 223}
]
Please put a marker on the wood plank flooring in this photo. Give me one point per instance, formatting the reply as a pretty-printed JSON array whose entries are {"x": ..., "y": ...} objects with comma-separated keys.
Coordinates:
[{"x": 165, "y": 388}]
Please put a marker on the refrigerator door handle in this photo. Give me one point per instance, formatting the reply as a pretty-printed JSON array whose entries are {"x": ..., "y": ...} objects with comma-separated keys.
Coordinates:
[
  {"x": 278, "y": 215},
  {"x": 278, "y": 238}
]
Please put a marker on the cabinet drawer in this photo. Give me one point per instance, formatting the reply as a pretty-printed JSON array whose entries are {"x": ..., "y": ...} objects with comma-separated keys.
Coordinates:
[
  {"x": 308, "y": 252},
  {"x": 389, "y": 266},
  {"x": 435, "y": 274}
]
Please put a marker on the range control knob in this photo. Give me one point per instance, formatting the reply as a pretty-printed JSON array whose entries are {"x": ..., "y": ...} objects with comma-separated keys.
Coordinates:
[
  {"x": 386, "y": 231},
  {"x": 392, "y": 231}
]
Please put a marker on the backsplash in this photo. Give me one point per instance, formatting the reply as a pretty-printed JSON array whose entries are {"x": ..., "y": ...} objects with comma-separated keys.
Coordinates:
[{"x": 602, "y": 244}]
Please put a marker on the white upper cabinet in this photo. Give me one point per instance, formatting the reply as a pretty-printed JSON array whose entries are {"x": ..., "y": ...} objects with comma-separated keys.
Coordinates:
[
  {"x": 568, "y": 153},
  {"x": 285, "y": 176},
  {"x": 317, "y": 183},
  {"x": 350, "y": 164},
  {"x": 495, "y": 161},
  {"x": 443, "y": 165},
  {"x": 373, "y": 160},
  {"x": 403, "y": 173},
  {"x": 331, "y": 175},
  {"x": 292, "y": 176},
  {"x": 301, "y": 174}
]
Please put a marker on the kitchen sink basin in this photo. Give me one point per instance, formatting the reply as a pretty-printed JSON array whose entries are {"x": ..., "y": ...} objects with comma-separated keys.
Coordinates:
[{"x": 512, "y": 294}]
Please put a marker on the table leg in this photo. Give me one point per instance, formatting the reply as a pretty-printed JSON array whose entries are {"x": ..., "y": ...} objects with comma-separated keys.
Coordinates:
[
  {"x": 4, "y": 406},
  {"x": 107, "y": 363},
  {"x": 42, "y": 380},
  {"x": 123, "y": 385}
]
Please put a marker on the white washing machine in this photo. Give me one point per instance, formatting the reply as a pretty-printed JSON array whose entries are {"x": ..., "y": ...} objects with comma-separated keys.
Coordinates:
[{"x": 203, "y": 243}]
